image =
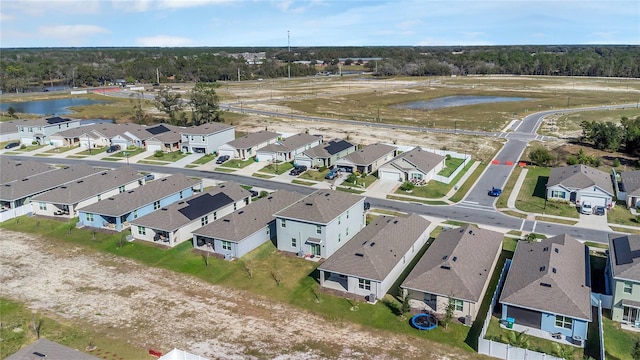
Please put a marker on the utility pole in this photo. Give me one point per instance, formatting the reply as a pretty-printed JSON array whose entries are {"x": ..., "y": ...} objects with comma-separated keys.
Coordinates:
[
  {"x": 157, "y": 76},
  {"x": 238, "y": 74},
  {"x": 289, "y": 50}
]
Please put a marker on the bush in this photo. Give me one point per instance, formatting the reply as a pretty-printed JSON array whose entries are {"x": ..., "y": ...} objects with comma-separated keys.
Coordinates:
[
  {"x": 407, "y": 186},
  {"x": 616, "y": 162},
  {"x": 34, "y": 143},
  {"x": 23, "y": 146},
  {"x": 572, "y": 160},
  {"x": 364, "y": 175},
  {"x": 351, "y": 178},
  {"x": 158, "y": 154}
]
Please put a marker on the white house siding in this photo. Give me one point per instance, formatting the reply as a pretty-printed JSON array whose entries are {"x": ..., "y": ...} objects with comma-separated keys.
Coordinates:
[
  {"x": 252, "y": 242},
  {"x": 267, "y": 156},
  {"x": 227, "y": 150},
  {"x": 304, "y": 160},
  {"x": 211, "y": 142},
  {"x": 154, "y": 146},
  {"x": 593, "y": 195},
  {"x": 9, "y": 136},
  {"x": 390, "y": 174},
  {"x": 558, "y": 193}
]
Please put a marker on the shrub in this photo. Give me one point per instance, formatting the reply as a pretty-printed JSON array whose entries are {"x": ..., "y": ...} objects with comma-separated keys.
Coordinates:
[
  {"x": 34, "y": 143},
  {"x": 407, "y": 186},
  {"x": 23, "y": 146},
  {"x": 364, "y": 175},
  {"x": 616, "y": 162},
  {"x": 322, "y": 168},
  {"x": 351, "y": 178},
  {"x": 158, "y": 154},
  {"x": 572, "y": 160}
]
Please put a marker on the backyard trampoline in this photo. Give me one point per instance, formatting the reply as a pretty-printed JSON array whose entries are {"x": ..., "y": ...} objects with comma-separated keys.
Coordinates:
[{"x": 424, "y": 321}]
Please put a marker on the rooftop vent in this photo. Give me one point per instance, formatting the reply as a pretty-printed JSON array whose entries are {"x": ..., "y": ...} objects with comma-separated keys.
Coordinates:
[
  {"x": 364, "y": 242},
  {"x": 359, "y": 254},
  {"x": 543, "y": 268},
  {"x": 164, "y": 209},
  {"x": 373, "y": 243},
  {"x": 445, "y": 257},
  {"x": 270, "y": 197},
  {"x": 226, "y": 220},
  {"x": 25, "y": 179},
  {"x": 181, "y": 202},
  {"x": 308, "y": 204},
  {"x": 556, "y": 250},
  {"x": 545, "y": 285},
  {"x": 130, "y": 192},
  {"x": 165, "y": 179},
  {"x": 39, "y": 354},
  {"x": 553, "y": 270},
  {"x": 80, "y": 181},
  {"x": 327, "y": 194},
  {"x": 63, "y": 187},
  {"x": 470, "y": 232},
  {"x": 455, "y": 258},
  {"x": 240, "y": 212},
  {"x": 446, "y": 267},
  {"x": 546, "y": 248},
  {"x": 395, "y": 222}
]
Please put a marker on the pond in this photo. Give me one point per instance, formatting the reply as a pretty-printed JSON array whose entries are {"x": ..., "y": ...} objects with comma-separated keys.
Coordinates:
[
  {"x": 49, "y": 107},
  {"x": 452, "y": 101}
]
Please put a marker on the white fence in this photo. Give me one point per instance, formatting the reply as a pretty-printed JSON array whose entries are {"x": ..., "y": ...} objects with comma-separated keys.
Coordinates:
[
  {"x": 14, "y": 213},
  {"x": 606, "y": 301},
  {"x": 505, "y": 351},
  {"x": 601, "y": 330}
]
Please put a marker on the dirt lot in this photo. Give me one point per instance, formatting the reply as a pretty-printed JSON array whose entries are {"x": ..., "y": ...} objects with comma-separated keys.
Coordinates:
[{"x": 159, "y": 309}]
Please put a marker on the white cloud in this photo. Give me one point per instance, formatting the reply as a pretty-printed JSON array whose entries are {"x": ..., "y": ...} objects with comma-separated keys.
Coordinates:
[
  {"x": 131, "y": 5},
  {"x": 165, "y": 41},
  {"x": 51, "y": 8},
  {"x": 70, "y": 35},
  {"x": 178, "y": 4},
  {"x": 148, "y": 5},
  {"x": 6, "y": 17}
]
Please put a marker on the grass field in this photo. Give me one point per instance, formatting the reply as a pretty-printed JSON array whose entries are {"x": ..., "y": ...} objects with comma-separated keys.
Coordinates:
[
  {"x": 532, "y": 196},
  {"x": 167, "y": 157},
  {"x": 450, "y": 166},
  {"x": 277, "y": 169},
  {"x": 237, "y": 163}
]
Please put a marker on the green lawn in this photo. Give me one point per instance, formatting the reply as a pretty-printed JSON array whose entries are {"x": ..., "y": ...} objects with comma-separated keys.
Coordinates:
[
  {"x": 621, "y": 215},
  {"x": 435, "y": 189},
  {"x": 93, "y": 151},
  {"x": 278, "y": 169},
  {"x": 301, "y": 182},
  {"x": 315, "y": 175},
  {"x": 555, "y": 220},
  {"x": 60, "y": 149},
  {"x": 262, "y": 176},
  {"x": 514, "y": 214},
  {"x": 450, "y": 166},
  {"x": 169, "y": 157},
  {"x": 508, "y": 188},
  {"x": 531, "y": 198},
  {"x": 408, "y": 199},
  {"x": 204, "y": 159},
  {"x": 28, "y": 148},
  {"x": 350, "y": 190},
  {"x": 237, "y": 163},
  {"x": 130, "y": 152},
  {"x": 618, "y": 344},
  {"x": 224, "y": 169},
  {"x": 464, "y": 189}
]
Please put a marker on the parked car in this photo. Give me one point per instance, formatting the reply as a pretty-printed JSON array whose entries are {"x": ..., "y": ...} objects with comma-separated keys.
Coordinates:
[
  {"x": 113, "y": 148},
  {"x": 599, "y": 210},
  {"x": 495, "y": 192},
  {"x": 297, "y": 170},
  {"x": 332, "y": 174},
  {"x": 367, "y": 205},
  {"x": 253, "y": 193},
  {"x": 12, "y": 145},
  {"x": 222, "y": 159},
  {"x": 586, "y": 208}
]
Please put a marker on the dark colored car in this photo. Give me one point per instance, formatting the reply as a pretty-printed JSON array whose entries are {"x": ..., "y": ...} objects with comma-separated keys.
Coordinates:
[
  {"x": 254, "y": 193},
  {"x": 599, "y": 210},
  {"x": 495, "y": 192},
  {"x": 12, "y": 145},
  {"x": 222, "y": 159},
  {"x": 367, "y": 205},
  {"x": 299, "y": 169},
  {"x": 331, "y": 175},
  {"x": 113, "y": 148}
]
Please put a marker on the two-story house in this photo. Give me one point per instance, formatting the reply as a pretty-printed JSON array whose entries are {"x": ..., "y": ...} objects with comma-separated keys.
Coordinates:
[
  {"x": 623, "y": 273},
  {"x": 320, "y": 223},
  {"x": 40, "y": 130},
  {"x": 117, "y": 212},
  {"x": 206, "y": 138}
]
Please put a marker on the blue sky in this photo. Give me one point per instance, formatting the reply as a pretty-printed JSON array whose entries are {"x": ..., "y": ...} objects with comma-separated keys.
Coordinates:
[{"x": 166, "y": 23}]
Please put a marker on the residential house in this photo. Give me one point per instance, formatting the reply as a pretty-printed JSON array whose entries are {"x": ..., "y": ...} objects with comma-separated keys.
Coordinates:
[
  {"x": 580, "y": 184},
  {"x": 131, "y": 135},
  {"x": 416, "y": 164},
  {"x": 242, "y": 231},
  {"x": 16, "y": 195},
  {"x": 629, "y": 188},
  {"x": 456, "y": 270},
  {"x": 65, "y": 200},
  {"x": 368, "y": 159},
  {"x": 9, "y": 130},
  {"x": 623, "y": 274},
  {"x": 206, "y": 138},
  {"x": 325, "y": 155},
  {"x": 548, "y": 287},
  {"x": 117, "y": 212},
  {"x": 46, "y": 349},
  {"x": 173, "y": 224},
  {"x": 40, "y": 130},
  {"x": 287, "y": 148},
  {"x": 371, "y": 262},
  {"x": 88, "y": 136},
  {"x": 164, "y": 137},
  {"x": 320, "y": 223},
  {"x": 247, "y": 146},
  {"x": 12, "y": 170}
]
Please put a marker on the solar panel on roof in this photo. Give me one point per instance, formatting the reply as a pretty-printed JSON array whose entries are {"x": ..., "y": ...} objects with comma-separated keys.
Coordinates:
[
  {"x": 335, "y": 147},
  {"x": 158, "y": 129},
  {"x": 204, "y": 204},
  {"x": 622, "y": 250},
  {"x": 56, "y": 120}
]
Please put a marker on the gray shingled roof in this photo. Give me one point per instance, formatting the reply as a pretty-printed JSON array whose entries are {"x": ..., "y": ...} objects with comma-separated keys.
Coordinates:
[
  {"x": 377, "y": 248},
  {"x": 206, "y": 129},
  {"x": 298, "y": 140},
  {"x": 238, "y": 225},
  {"x": 38, "y": 183},
  {"x": 580, "y": 177},
  {"x": 422, "y": 160},
  {"x": 253, "y": 139},
  {"x": 328, "y": 149},
  {"x": 631, "y": 182},
  {"x": 624, "y": 254},
  {"x": 370, "y": 153},
  {"x": 51, "y": 350},
  {"x": 179, "y": 214},
  {"x": 550, "y": 276},
  {"x": 8, "y": 127},
  {"x": 82, "y": 189},
  {"x": 43, "y": 121},
  {"x": 457, "y": 263},
  {"x": 128, "y": 201},
  {"x": 321, "y": 206},
  {"x": 12, "y": 170},
  {"x": 81, "y": 130}
]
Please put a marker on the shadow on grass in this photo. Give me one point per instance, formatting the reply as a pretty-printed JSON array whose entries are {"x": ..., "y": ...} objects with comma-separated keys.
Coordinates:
[
  {"x": 541, "y": 187},
  {"x": 395, "y": 310}
]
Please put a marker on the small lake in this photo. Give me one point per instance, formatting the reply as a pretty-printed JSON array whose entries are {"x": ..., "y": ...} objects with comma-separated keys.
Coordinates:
[
  {"x": 453, "y": 101},
  {"x": 49, "y": 107}
]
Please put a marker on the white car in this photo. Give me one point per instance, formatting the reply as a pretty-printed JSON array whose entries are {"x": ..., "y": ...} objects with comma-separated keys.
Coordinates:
[{"x": 586, "y": 208}]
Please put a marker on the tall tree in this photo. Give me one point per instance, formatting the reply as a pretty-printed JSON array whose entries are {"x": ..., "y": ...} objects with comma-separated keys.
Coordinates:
[
  {"x": 204, "y": 103},
  {"x": 169, "y": 103}
]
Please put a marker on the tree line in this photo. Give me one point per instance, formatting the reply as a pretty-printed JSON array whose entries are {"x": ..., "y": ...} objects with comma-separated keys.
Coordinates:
[{"x": 24, "y": 69}]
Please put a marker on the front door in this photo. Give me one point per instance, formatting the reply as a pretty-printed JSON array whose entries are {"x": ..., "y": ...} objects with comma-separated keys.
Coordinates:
[{"x": 315, "y": 249}]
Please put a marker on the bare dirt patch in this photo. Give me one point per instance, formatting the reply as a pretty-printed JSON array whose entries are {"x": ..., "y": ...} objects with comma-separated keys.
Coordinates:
[{"x": 155, "y": 308}]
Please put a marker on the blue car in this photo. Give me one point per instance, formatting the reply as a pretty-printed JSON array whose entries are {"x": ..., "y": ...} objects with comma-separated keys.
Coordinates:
[{"x": 495, "y": 192}]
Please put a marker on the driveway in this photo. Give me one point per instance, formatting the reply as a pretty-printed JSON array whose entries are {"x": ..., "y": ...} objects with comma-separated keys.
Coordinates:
[{"x": 593, "y": 222}]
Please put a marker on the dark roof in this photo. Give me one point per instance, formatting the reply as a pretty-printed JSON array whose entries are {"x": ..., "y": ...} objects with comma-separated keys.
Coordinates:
[
  {"x": 56, "y": 120},
  {"x": 328, "y": 149},
  {"x": 374, "y": 251},
  {"x": 321, "y": 206},
  {"x": 457, "y": 263},
  {"x": 624, "y": 255},
  {"x": 46, "y": 349},
  {"x": 550, "y": 276},
  {"x": 580, "y": 177},
  {"x": 334, "y": 147},
  {"x": 158, "y": 129}
]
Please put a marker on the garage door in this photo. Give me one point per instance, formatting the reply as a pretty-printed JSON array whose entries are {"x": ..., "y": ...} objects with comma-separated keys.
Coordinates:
[
  {"x": 305, "y": 162},
  {"x": 153, "y": 147},
  {"x": 231, "y": 153},
  {"x": 594, "y": 201},
  {"x": 265, "y": 156},
  {"x": 389, "y": 175}
]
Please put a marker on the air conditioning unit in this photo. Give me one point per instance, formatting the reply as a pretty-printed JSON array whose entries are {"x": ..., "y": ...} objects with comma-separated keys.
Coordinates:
[
  {"x": 227, "y": 256},
  {"x": 467, "y": 320},
  {"x": 371, "y": 298}
]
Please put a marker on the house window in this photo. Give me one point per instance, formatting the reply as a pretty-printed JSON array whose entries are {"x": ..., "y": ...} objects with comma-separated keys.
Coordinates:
[
  {"x": 89, "y": 217},
  {"x": 347, "y": 233},
  {"x": 318, "y": 229},
  {"x": 203, "y": 138},
  {"x": 364, "y": 284},
  {"x": 181, "y": 195},
  {"x": 563, "y": 322},
  {"x": 215, "y": 216},
  {"x": 135, "y": 214},
  {"x": 457, "y": 304},
  {"x": 142, "y": 230},
  {"x": 204, "y": 221},
  {"x": 121, "y": 189},
  {"x": 339, "y": 237},
  {"x": 283, "y": 223},
  {"x": 294, "y": 242},
  {"x": 99, "y": 197},
  {"x": 338, "y": 220},
  {"x": 558, "y": 194},
  {"x": 156, "y": 205},
  {"x": 246, "y": 201},
  {"x": 226, "y": 245},
  {"x": 430, "y": 298},
  {"x": 628, "y": 287},
  {"x": 43, "y": 206},
  {"x": 235, "y": 206},
  {"x": 347, "y": 214}
]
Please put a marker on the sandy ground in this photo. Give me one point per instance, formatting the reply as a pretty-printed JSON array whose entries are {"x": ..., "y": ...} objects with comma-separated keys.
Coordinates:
[{"x": 154, "y": 308}]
